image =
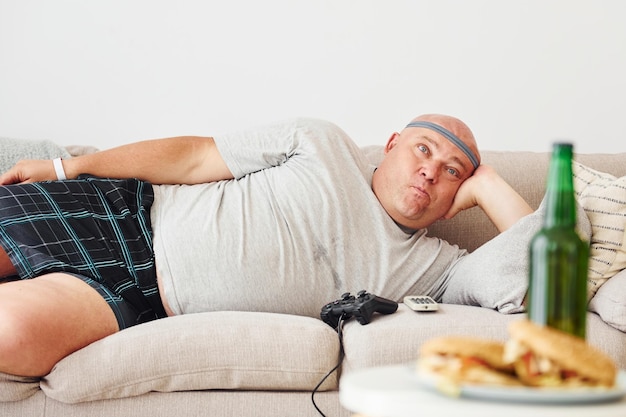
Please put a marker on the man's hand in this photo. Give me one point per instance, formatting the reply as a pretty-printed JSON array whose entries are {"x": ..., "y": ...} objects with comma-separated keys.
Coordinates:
[
  {"x": 29, "y": 171},
  {"x": 486, "y": 189},
  {"x": 465, "y": 197}
]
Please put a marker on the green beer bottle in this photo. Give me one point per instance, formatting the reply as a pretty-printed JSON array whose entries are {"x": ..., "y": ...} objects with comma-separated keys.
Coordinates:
[{"x": 557, "y": 294}]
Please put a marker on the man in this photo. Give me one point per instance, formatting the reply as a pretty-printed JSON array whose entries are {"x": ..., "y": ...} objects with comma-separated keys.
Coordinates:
[{"x": 232, "y": 215}]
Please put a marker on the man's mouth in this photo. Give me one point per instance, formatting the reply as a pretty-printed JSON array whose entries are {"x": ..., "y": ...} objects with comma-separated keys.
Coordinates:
[{"x": 420, "y": 191}]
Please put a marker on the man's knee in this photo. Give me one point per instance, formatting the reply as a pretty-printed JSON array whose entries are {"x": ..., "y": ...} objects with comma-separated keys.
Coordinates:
[
  {"x": 45, "y": 319},
  {"x": 18, "y": 351},
  {"x": 6, "y": 267}
]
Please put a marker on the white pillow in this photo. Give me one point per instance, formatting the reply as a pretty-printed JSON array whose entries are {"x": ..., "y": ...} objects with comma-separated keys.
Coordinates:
[
  {"x": 14, "y": 150},
  {"x": 496, "y": 274},
  {"x": 603, "y": 197},
  {"x": 610, "y": 301}
]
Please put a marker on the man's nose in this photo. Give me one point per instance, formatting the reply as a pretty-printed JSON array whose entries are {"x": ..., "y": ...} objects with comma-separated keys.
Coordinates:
[{"x": 429, "y": 171}]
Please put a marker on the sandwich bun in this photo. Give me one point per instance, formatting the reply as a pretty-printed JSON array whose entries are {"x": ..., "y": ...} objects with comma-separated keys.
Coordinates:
[
  {"x": 489, "y": 351},
  {"x": 544, "y": 356},
  {"x": 466, "y": 359}
]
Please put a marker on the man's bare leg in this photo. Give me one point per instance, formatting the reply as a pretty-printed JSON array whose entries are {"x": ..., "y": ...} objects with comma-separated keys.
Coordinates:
[
  {"x": 44, "y": 319},
  {"x": 6, "y": 267}
]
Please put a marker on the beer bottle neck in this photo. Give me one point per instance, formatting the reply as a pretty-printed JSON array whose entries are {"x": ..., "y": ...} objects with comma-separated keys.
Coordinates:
[{"x": 560, "y": 197}]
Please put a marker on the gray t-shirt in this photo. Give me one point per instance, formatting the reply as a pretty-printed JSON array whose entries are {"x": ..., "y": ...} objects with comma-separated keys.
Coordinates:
[{"x": 297, "y": 227}]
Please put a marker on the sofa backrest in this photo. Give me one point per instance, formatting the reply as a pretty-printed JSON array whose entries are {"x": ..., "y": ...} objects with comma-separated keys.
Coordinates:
[{"x": 525, "y": 171}]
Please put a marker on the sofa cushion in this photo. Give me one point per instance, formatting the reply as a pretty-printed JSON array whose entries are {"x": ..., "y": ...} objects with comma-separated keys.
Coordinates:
[
  {"x": 216, "y": 350},
  {"x": 603, "y": 197},
  {"x": 396, "y": 338},
  {"x": 609, "y": 302},
  {"x": 16, "y": 388}
]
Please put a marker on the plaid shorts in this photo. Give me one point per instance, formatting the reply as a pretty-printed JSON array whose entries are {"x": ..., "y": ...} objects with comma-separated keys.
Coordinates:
[{"x": 96, "y": 229}]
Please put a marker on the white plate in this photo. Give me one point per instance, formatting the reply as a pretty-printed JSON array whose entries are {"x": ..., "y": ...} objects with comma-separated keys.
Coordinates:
[{"x": 528, "y": 394}]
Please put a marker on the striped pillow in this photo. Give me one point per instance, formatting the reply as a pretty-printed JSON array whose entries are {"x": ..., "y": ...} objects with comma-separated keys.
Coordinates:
[{"x": 603, "y": 197}]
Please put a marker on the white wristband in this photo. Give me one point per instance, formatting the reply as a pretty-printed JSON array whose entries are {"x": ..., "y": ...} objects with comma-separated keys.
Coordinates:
[{"x": 58, "y": 168}]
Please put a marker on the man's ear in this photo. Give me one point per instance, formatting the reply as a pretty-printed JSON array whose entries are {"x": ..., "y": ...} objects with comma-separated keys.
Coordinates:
[{"x": 392, "y": 142}]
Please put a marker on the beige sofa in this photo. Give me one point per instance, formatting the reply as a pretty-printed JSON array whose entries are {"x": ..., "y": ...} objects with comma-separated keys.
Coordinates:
[{"x": 264, "y": 364}]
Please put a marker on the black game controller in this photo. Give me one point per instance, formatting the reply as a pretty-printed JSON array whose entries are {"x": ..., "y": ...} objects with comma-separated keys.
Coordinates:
[{"x": 363, "y": 306}]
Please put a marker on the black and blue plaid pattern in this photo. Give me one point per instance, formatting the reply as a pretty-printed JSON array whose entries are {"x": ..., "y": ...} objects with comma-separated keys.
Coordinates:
[{"x": 95, "y": 228}]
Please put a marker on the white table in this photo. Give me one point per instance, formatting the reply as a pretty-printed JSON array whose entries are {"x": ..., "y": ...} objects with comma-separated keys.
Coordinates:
[{"x": 391, "y": 391}]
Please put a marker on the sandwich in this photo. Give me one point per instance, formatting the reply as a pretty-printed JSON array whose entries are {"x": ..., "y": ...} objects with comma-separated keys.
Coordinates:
[
  {"x": 465, "y": 360},
  {"x": 546, "y": 357}
]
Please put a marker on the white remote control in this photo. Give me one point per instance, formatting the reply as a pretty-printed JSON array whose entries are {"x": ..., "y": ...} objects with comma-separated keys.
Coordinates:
[{"x": 421, "y": 303}]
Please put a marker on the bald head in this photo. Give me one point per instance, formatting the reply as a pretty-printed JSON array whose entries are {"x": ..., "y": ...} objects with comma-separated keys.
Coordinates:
[{"x": 454, "y": 130}]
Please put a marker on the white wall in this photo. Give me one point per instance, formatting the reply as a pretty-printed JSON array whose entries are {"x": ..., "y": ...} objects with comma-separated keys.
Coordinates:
[{"x": 520, "y": 73}]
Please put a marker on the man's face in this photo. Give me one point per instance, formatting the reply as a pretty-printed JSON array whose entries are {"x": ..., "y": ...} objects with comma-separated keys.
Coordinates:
[{"x": 419, "y": 176}]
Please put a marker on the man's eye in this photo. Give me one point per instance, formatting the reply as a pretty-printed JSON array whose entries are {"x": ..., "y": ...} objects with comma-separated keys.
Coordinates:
[
  {"x": 422, "y": 148},
  {"x": 453, "y": 172}
]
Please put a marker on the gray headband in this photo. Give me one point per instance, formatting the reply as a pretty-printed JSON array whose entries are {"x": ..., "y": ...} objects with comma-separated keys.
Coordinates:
[{"x": 450, "y": 136}]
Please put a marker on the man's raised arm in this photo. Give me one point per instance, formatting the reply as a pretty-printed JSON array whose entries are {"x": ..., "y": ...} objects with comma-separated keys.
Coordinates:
[
  {"x": 486, "y": 189},
  {"x": 179, "y": 160}
]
